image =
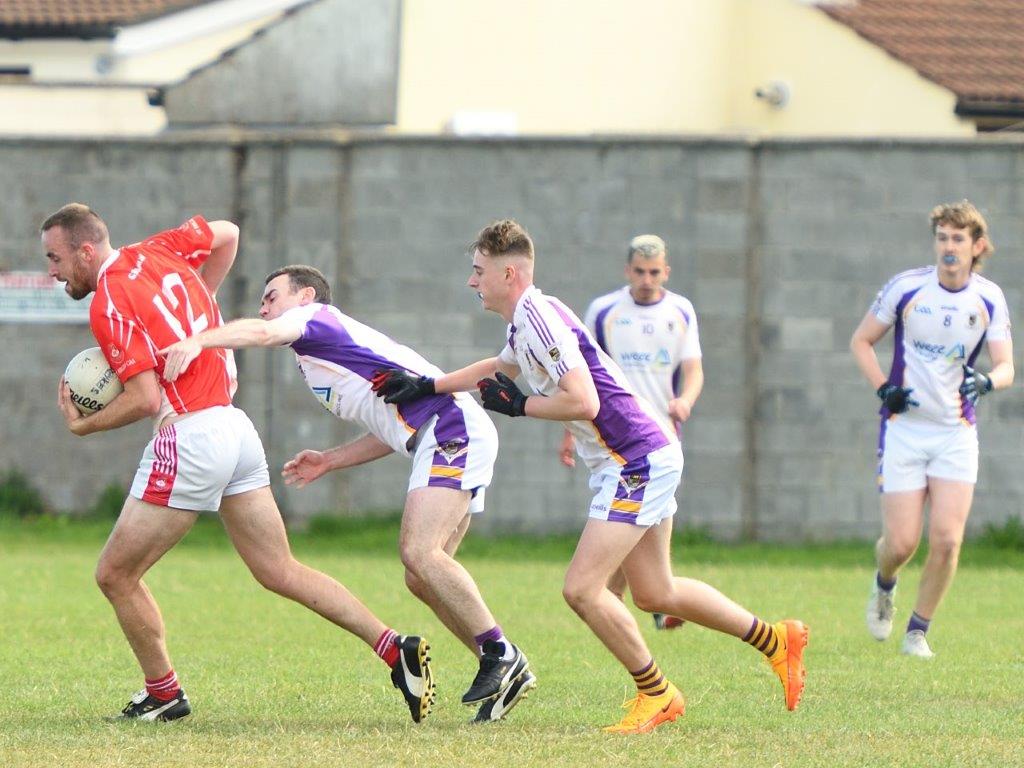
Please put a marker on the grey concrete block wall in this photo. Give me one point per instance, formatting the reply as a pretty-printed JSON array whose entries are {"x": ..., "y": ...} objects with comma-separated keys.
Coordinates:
[
  {"x": 333, "y": 62},
  {"x": 781, "y": 246}
]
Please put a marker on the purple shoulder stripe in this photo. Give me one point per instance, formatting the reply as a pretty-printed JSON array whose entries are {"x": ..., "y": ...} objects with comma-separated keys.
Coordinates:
[
  {"x": 599, "y": 327},
  {"x": 326, "y": 338},
  {"x": 538, "y": 323},
  {"x": 621, "y": 423}
]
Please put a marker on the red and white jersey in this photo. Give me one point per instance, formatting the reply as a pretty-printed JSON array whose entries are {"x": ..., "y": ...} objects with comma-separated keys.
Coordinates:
[{"x": 149, "y": 296}]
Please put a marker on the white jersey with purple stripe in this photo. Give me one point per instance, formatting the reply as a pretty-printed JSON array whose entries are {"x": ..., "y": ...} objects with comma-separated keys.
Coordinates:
[
  {"x": 546, "y": 340},
  {"x": 937, "y": 331},
  {"x": 338, "y": 357},
  {"x": 648, "y": 341}
]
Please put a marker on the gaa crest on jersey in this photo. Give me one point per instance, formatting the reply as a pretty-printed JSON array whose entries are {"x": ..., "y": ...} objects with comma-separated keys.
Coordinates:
[
  {"x": 972, "y": 320},
  {"x": 555, "y": 354},
  {"x": 450, "y": 450},
  {"x": 115, "y": 353}
]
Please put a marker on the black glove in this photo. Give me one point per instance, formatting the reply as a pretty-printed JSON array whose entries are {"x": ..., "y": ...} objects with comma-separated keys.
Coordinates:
[
  {"x": 975, "y": 385},
  {"x": 397, "y": 385},
  {"x": 896, "y": 399},
  {"x": 502, "y": 395}
]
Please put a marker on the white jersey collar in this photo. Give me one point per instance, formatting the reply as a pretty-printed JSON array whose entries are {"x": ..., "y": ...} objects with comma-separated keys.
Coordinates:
[{"x": 109, "y": 260}]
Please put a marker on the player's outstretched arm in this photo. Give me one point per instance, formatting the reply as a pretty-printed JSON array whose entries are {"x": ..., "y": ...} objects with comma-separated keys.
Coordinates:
[
  {"x": 222, "y": 253},
  {"x": 308, "y": 466},
  {"x": 465, "y": 379},
  {"x": 139, "y": 400},
  {"x": 398, "y": 385},
  {"x": 576, "y": 399},
  {"x": 247, "y": 332}
]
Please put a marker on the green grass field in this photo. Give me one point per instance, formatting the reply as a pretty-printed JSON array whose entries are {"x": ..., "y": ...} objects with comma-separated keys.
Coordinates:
[{"x": 273, "y": 685}]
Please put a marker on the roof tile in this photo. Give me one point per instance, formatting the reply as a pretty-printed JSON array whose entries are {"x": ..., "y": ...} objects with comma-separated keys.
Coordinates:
[
  {"x": 975, "y": 48},
  {"x": 61, "y": 18}
]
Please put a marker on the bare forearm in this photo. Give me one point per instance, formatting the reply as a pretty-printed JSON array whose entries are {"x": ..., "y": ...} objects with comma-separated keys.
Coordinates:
[
  {"x": 693, "y": 385},
  {"x": 362, "y": 450},
  {"x": 247, "y": 332},
  {"x": 867, "y": 362},
  {"x": 562, "y": 406},
  {"x": 222, "y": 254},
  {"x": 1002, "y": 375},
  {"x": 465, "y": 379},
  {"x": 126, "y": 408}
]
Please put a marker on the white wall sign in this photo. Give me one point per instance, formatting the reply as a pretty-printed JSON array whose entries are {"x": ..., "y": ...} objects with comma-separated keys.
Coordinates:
[{"x": 35, "y": 297}]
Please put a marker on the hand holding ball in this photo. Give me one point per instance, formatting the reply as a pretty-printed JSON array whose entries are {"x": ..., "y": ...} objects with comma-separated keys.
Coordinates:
[{"x": 92, "y": 381}]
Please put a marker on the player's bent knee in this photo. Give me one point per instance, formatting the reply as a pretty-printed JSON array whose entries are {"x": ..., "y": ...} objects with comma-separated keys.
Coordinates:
[
  {"x": 278, "y": 578},
  {"x": 577, "y": 595},
  {"x": 113, "y": 581},
  {"x": 901, "y": 550},
  {"x": 945, "y": 548},
  {"x": 649, "y": 602},
  {"x": 417, "y": 559}
]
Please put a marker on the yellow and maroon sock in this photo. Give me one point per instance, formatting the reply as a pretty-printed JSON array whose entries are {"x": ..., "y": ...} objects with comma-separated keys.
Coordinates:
[
  {"x": 164, "y": 688},
  {"x": 763, "y": 637},
  {"x": 649, "y": 680},
  {"x": 387, "y": 647}
]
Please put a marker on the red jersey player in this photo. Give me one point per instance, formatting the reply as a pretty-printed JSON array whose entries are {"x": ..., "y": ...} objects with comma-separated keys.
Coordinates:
[{"x": 205, "y": 454}]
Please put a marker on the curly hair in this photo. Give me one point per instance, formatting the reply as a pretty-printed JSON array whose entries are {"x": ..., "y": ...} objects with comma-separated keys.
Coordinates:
[
  {"x": 504, "y": 237},
  {"x": 964, "y": 215}
]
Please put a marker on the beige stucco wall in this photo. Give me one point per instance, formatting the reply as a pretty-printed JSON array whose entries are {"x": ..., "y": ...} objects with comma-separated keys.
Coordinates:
[
  {"x": 60, "y": 111},
  {"x": 556, "y": 67},
  {"x": 657, "y": 66},
  {"x": 840, "y": 84},
  {"x": 570, "y": 66}
]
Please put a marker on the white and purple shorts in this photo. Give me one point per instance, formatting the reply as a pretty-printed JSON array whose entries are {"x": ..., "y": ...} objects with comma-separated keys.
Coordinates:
[
  {"x": 456, "y": 449},
  {"x": 642, "y": 492},
  {"x": 191, "y": 464},
  {"x": 911, "y": 450}
]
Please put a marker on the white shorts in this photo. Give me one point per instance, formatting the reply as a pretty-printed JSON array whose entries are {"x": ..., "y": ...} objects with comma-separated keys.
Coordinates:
[
  {"x": 456, "y": 449},
  {"x": 911, "y": 451},
  {"x": 643, "y": 492},
  {"x": 192, "y": 463}
]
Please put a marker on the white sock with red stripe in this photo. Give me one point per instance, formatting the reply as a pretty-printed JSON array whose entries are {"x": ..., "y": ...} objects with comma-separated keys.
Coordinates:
[
  {"x": 387, "y": 647},
  {"x": 165, "y": 688}
]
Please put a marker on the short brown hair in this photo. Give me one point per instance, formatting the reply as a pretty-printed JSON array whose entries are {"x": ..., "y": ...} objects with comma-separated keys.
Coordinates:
[
  {"x": 80, "y": 222},
  {"x": 304, "y": 276},
  {"x": 504, "y": 237},
  {"x": 964, "y": 215}
]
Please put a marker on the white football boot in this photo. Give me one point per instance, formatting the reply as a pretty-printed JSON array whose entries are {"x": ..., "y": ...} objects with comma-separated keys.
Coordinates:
[
  {"x": 881, "y": 608},
  {"x": 916, "y": 644}
]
